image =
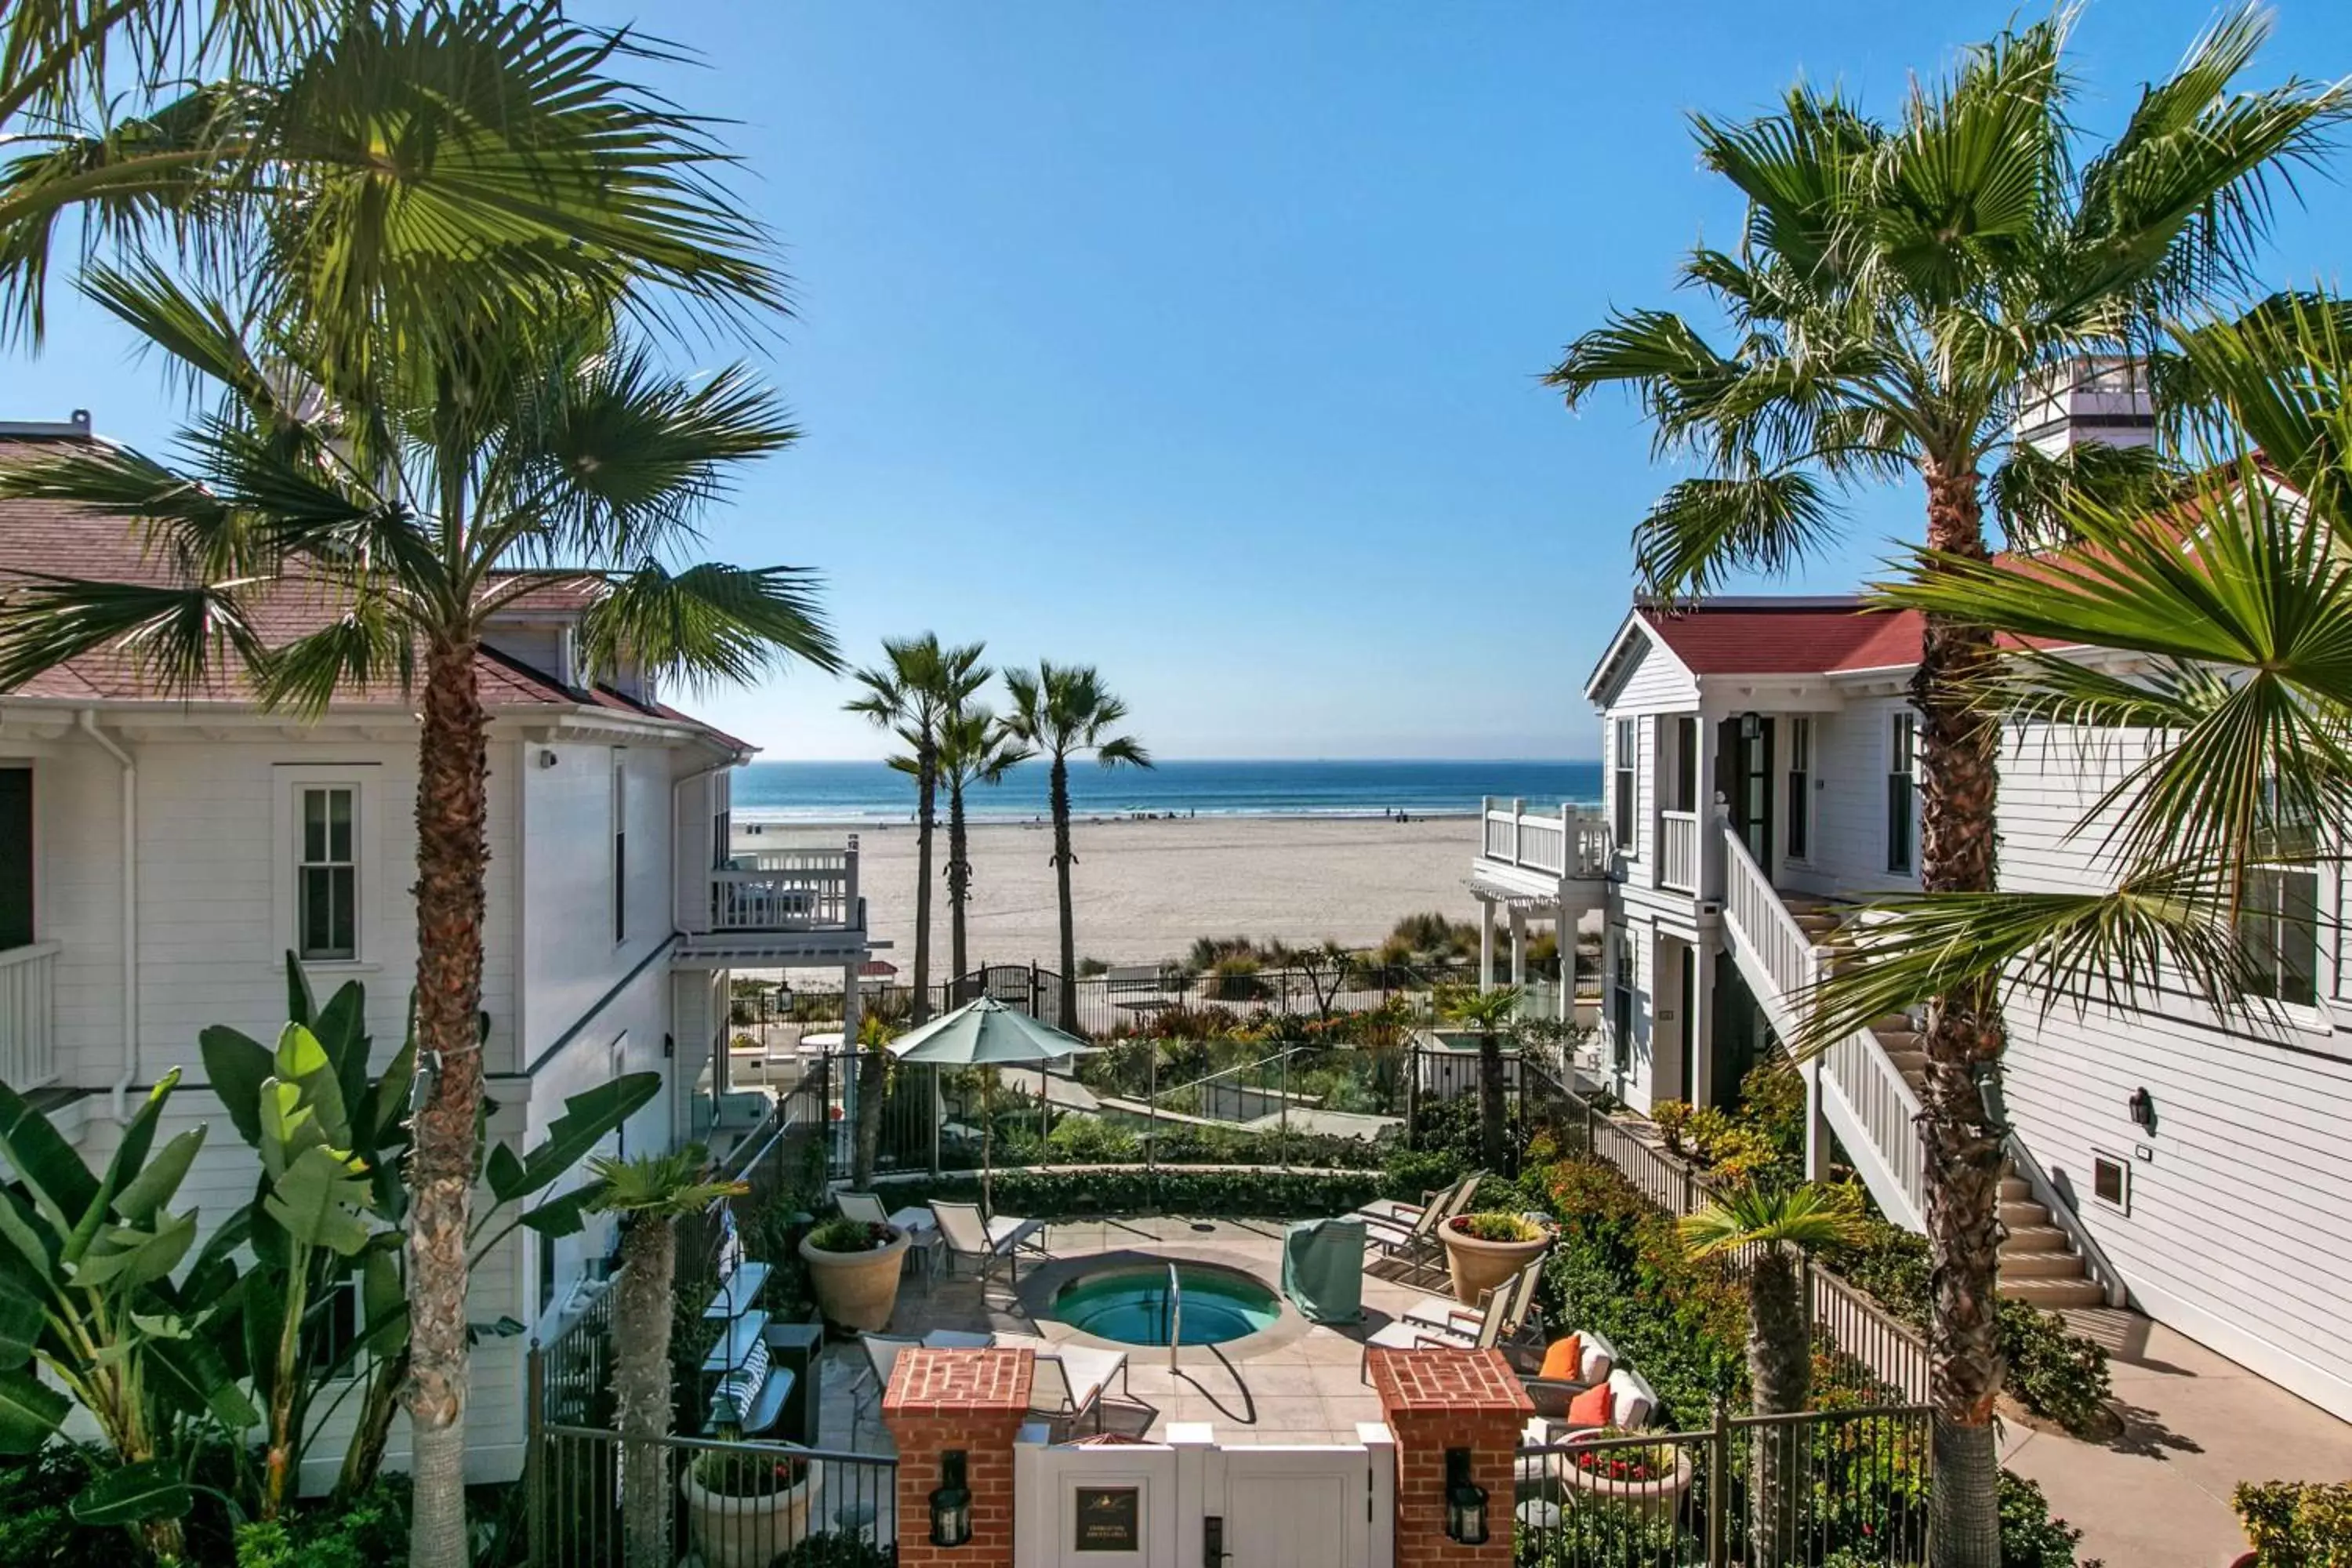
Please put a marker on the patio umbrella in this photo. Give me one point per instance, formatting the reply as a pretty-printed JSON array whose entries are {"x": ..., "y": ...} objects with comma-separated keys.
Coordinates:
[{"x": 986, "y": 1033}]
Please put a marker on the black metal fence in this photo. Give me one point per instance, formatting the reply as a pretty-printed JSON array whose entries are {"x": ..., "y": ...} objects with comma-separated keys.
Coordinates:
[
  {"x": 1844, "y": 1486},
  {"x": 736, "y": 1505}
]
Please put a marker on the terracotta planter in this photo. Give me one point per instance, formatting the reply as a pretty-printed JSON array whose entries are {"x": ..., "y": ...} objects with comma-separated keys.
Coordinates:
[
  {"x": 748, "y": 1531},
  {"x": 1477, "y": 1267},
  {"x": 1656, "y": 1499},
  {"x": 856, "y": 1289}
]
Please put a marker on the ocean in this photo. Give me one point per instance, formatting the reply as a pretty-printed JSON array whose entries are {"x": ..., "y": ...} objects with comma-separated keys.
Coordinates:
[{"x": 874, "y": 792}]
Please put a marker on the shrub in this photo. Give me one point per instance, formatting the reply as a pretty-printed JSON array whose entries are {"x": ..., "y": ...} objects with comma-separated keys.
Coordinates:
[
  {"x": 735, "y": 1473},
  {"x": 841, "y": 1234},
  {"x": 2053, "y": 1370},
  {"x": 1672, "y": 1118},
  {"x": 1129, "y": 1190},
  {"x": 2029, "y": 1538},
  {"x": 1089, "y": 1140},
  {"x": 834, "y": 1549},
  {"x": 2297, "y": 1524},
  {"x": 1234, "y": 978},
  {"x": 35, "y": 1530},
  {"x": 1494, "y": 1225},
  {"x": 371, "y": 1530}
]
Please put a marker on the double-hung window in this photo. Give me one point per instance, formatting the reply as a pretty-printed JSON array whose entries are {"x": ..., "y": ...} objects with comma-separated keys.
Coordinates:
[
  {"x": 1622, "y": 760},
  {"x": 327, "y": 872},
  {"x": 2278, "y": 914},
  {"x": 1798, "y": 838},
  {"x": 1620, "y": 1000},
  {"x": 1902, "y": 792}
]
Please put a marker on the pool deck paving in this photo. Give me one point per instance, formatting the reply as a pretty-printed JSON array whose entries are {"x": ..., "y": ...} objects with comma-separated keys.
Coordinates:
[{"x": 1299, "y": 1383}]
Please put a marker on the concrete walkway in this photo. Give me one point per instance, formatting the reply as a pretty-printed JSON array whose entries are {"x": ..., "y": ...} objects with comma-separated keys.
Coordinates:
[{"x": 2196, "y": 1424}]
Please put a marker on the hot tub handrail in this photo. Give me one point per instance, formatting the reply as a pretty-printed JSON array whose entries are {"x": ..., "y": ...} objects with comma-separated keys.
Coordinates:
[{"x": 1175, "y": 1315}]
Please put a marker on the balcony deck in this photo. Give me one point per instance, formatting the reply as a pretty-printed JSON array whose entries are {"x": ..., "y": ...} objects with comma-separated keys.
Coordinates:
[{"x": 774, "y": 906}]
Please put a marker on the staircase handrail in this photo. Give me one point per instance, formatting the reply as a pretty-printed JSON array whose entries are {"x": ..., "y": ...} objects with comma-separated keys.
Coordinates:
[{"x": 1752, "y": 904}]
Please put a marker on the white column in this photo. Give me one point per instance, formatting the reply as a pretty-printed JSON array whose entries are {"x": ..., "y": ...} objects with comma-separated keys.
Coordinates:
[
  {"x": 1564, "y": 928},
  {"x": 1698, "y": 1034},
  {"x": 850, "y": 1011},
  {"x": 1518, "y": 945},
  {"x": 1486, "y": 944}
]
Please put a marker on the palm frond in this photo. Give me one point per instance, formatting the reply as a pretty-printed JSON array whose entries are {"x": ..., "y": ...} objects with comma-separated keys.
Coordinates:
[
  {"x": 178, "y": 639},
  {"x": 666, "y": 1185},
  {"x": 1703, "y": 530},
  {"x": 709, "y": 623},
  {"x": 365, "y": 646},
  {"x": 2033, "y": 491},
  {"x": 1754, "y": 1215}
]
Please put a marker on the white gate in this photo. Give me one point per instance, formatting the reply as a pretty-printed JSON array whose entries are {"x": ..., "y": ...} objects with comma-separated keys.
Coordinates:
[{"x": 1169, "y": 1505}]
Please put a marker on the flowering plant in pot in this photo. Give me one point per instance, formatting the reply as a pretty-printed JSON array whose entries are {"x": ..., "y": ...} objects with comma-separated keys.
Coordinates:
[
  {"x": 744, "y": 1506},
  {"x": 1646, "y": 1476},
  {"x": 853, "y": 1266},
  {"x": 1483, "y": 1250}
]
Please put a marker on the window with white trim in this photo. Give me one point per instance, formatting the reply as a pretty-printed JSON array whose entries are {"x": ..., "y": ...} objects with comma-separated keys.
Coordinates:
[
  {"x": 327, "y": 872},
  {"x": 1621, "y": 757},
  {"x": 1621, "y": 999},
  {"x": 2278, "y": 912},
  {"x": 1797, "y": 841},
  {"x": 1902, "y": 792}
]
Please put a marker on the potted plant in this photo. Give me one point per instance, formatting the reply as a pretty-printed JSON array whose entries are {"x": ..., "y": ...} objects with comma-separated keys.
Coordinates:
[
  {"x": 853, "y": 1266},
  {"x": 744, "y": 1506},
  {"x": 1483, "y": 1250},
  {"x": 1647, "y": 1477}
]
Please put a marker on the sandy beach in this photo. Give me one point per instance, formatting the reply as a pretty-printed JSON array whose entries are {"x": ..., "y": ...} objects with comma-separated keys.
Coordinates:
[{"x": 1144, "y": 889}]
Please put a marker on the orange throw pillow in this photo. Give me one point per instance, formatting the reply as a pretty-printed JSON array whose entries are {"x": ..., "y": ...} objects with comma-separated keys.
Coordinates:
[
  {"x": 1563, "y": 1359},
  {"x": 1592, "y": 1407}
]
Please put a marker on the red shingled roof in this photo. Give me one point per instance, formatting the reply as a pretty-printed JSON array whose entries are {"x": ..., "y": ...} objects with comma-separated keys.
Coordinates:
[
  {"x": 58, "y": 539},
  {"x": 1798, "y": 637}
]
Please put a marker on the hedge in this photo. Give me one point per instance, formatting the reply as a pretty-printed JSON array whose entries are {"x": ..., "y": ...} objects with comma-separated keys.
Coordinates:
[{"x": 1133, "y": 1189}]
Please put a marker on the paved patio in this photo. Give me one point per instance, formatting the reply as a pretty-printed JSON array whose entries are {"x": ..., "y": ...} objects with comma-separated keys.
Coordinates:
[
  {"x": 1296, "y": 1383},
  {"x": 2195, "y": 1426}
]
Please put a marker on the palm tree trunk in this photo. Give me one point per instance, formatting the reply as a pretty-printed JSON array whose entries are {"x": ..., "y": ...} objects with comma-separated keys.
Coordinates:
[
  {"x": 959, "y": 883},
  {"x": 640, "y": 1390},
  {"x": 1494, "y": 1108},
  {"x": 1780, "y": 1378},
  {"x": 451, "y": 854},
  {"x": 1964, "y": 1039},
  {"x": 927, "y": 798},
  {"x": 1060, "y": 798}
]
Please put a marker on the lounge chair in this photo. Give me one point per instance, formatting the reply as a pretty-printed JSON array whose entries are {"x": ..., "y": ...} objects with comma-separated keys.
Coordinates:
[
  {"x": 1399, "y": 1215},
  {"x": 863, "y": 1206},
  {"x": 1552, "y": 1395},
  {"x": 1417, "y": 1238},
  {"x": 882, "y": 1353},
  {"x": 1515, "y": 1296},
  {"x": 968, "y": 1236},
  {"x": 1068, "y": 1379},
  {"x": 1485, "y": 1329}
]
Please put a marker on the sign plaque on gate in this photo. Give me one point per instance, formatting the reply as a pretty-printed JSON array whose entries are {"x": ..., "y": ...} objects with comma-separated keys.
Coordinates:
[{"x": 1110, "y": 1519}]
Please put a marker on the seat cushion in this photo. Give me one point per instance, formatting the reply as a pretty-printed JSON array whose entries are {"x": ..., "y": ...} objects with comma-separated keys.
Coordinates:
[
  {"x": 1593, "y": 1407},
  {"x": 1564, "y": 1359}
]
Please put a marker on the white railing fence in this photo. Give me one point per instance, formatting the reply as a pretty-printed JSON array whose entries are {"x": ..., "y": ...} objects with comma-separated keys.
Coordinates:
[
  {"x": 786, "y": 889},
  {"x": 1542, "y": 843},
  {"x": 1566, "y": 842},
  {"x": 1752, "y": 905},
  {"x": 28, "y": 1053},
  {"x": 1678, "y": 851}
]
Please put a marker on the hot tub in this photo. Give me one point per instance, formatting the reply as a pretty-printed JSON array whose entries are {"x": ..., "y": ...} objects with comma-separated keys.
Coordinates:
[{"x": 1133, "y": 1306}]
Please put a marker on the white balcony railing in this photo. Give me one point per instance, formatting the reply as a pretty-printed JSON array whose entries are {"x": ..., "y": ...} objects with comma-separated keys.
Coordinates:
[
  {"x": 1566, "y": 842},
  {"x": 28, "y": 1052},
  {"x": 1678, "y": 851},
  {"x": 786, "y": 889}
]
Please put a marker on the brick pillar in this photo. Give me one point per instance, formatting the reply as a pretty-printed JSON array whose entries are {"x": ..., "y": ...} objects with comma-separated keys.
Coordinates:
[
  {"x": 973, "y": 1400},
  {"x": 1439, "y": 1399}
]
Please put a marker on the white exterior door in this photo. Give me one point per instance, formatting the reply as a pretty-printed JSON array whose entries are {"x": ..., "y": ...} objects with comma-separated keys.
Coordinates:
[{"x": 1297, "y": 1507}]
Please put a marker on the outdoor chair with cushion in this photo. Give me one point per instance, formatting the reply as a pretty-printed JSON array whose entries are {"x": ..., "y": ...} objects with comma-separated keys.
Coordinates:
[
  {"x": 1415, "y": 1238},
  {"x": 862, "y": 1206},
  {"x": 968, "y": 1236},
  {"x": 882, "y": 1353},
  {"x": 1482, "y": 1331},
  {"x": 1566, "y": 1368},
  {"x": 1625, "y": 1402},
  {"x": 1445, "y": 1315},
  {"x": 1068, "y": 1380}
]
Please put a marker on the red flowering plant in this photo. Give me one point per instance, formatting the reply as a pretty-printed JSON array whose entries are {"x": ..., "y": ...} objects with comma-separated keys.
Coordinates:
[
  {"x": 1627, "y": 1462},
  {"x": 748, "y": 1473}
]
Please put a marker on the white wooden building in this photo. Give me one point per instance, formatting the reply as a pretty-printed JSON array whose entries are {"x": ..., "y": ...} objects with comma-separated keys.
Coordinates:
[{"x": 159, "y": 857}]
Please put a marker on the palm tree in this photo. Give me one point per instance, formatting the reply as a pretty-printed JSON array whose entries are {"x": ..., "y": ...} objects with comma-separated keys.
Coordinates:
[
  {"x": 1898, "y": 294},
  {"x": 2245, "y": 681},
  {"x": 651, "y": 1194},
  {"x": 1064, "y": 710},
  {"x": 1770, "y": 1229},
  {"x": 418, "y": 502},
  {"x": 378, "y": 173},
  {"x": 974, "y": 749},
  {"x": 1491, "y": 1014}
]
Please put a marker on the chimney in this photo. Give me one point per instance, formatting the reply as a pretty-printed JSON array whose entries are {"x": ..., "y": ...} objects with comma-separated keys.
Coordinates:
[{"x": 2102, "y": 398}]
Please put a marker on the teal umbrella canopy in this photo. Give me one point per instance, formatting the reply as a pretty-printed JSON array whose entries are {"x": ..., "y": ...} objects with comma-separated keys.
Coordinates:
[{"x": 986, "y": 1032}]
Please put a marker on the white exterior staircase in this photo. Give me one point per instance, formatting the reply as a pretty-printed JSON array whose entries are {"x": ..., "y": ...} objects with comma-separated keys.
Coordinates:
[{"x": 1866, "y": 1088}]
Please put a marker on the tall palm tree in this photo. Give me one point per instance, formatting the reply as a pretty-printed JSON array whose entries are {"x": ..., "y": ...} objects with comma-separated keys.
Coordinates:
[
  {"x": 651, "y": 1194},
  {"x": 974, "y": 749},
  {"x": 1899, "y": 292},
  {"x": 915, "y": 689},
  {"x": 1490, "y": 1013},
  {"x": 1770, "y": 1229},
  {"x": 417, "y": 502},
  {"x": 1060, "y": 711},
  {"x": 2246, "y": 685}
]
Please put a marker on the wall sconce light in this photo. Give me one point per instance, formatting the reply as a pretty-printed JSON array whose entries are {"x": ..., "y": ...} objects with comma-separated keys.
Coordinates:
[
  {"x": 2142, "y": 1106},
  {"x": 547, "y": 758},
  {"x": 1465, "y": 1505},
  {"x": 952, "y": 1502}
]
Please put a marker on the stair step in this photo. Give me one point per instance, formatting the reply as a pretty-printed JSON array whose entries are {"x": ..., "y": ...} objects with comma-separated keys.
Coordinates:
[
  {"x": 2016, "y": 1189},
  {"x": 2039, "y": 1265},
  {"x": 2052, "y": 1295},
  {"x": 1893, "y": 1040},
  {"x": 2015, "y": 1216},
  {"x": 1898, "y": 1022},
  {"x": 2024, "y": 1238}
]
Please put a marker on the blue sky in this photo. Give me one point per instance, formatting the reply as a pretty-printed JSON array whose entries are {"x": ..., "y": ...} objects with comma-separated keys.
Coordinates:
[{"x": 1200, "y": 341}]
